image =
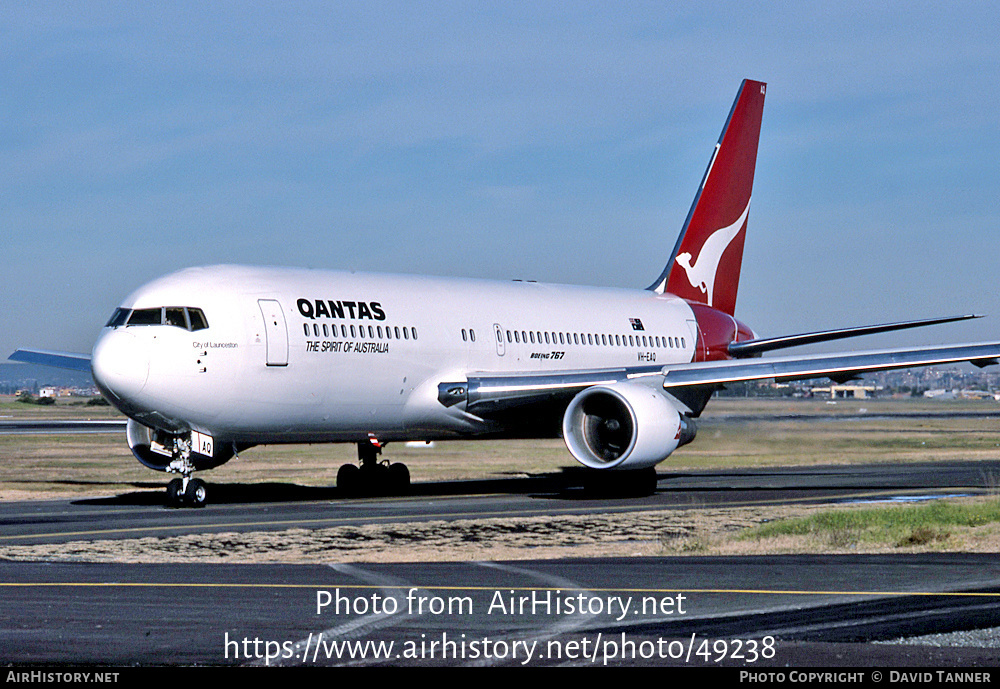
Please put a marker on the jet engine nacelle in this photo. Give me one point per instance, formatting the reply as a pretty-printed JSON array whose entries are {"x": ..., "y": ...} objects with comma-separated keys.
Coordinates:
[
  {"x": 624, "y": 426},
  {"x": 154, "y": 448}
]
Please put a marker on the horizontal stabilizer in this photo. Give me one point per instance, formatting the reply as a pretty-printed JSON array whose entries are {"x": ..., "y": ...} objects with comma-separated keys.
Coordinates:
[
  {"x": 74, "y": 362},
  {"x": 749, "y": 348}
]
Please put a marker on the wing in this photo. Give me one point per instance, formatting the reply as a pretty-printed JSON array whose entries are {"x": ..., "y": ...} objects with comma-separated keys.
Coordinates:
[
  {"x": 487, "y": 393},
  {"x": 74, "y": 362}
]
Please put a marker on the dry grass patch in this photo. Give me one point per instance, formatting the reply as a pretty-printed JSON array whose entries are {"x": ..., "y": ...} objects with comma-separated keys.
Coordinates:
[{"x": 730, "y": 531}]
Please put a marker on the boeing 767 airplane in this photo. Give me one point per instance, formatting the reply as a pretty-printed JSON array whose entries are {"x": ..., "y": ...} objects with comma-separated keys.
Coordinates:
[{"x": 210, "y": 361}]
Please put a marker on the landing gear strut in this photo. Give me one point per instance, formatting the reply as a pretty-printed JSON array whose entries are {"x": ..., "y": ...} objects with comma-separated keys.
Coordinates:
[
  {"x": 184, "y": 490},
  {"x": 371, "y": 476}
]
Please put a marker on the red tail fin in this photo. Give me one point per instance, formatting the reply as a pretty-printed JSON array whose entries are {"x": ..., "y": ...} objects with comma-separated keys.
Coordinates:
[{"x": 705, "y": 264}]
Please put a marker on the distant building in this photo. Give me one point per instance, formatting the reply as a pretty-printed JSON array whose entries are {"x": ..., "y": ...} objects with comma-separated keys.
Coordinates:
[
  {"x": 846, "y": 391},
  {"x": 956, "y": 393}
]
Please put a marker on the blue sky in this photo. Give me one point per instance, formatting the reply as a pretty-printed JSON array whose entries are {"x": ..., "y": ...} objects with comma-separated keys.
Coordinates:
[{"x": 559, "y": 142}]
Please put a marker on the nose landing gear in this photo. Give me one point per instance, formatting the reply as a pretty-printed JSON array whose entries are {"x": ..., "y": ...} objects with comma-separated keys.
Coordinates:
[
  {"x": 184, "y": 490},
  {"x": 187, "y": 491}
]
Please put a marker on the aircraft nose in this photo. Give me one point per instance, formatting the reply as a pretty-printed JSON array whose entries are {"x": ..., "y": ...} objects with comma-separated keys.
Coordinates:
[{"x": 120, "y": 364}]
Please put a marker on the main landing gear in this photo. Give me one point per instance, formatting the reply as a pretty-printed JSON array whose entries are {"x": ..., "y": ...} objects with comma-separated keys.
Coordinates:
[
  {"x": 184, "y": 490},
  {"x": 373, "y": 477},
  {"x": 635, "y": 483}
]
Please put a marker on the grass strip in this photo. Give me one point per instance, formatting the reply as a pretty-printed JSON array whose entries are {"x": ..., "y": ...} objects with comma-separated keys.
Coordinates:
[{"x": 898, "y": 525}]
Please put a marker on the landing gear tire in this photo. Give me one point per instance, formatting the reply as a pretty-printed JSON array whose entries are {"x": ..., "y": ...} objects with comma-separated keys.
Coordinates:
[
  {"x": 174, "y": 492},
  {"x": 645, "y": 481},
  {"x": 636, "y": 483},
  {"x": 196, "y": 493},
  {"x": 349, "y": 479},
  {"x": 399, "y": 478}
]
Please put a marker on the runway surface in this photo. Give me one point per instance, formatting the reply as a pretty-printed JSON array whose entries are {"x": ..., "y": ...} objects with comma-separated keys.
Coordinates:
[
  {"x": 699, "y": 611},
  {"x": 60, "y": 427},
  {"x": 269, "y": 507}
]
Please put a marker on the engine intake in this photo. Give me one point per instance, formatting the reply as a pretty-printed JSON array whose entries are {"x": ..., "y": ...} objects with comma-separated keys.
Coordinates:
[{"x": 624, "y": 426}]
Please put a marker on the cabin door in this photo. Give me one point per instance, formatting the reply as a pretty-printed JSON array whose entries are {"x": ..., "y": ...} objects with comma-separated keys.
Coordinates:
[
  {"x": 697, "y": 341},
  {"x": 275, "y": 332}
]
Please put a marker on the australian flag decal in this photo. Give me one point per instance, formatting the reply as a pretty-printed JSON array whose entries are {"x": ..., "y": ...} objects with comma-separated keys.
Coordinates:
[{"x": 636, "y": 324}]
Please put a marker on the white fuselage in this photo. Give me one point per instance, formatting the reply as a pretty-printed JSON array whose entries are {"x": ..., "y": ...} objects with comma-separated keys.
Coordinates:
[{"x": 295, "y": 355}]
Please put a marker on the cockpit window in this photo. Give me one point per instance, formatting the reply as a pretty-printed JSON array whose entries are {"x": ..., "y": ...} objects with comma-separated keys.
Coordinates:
[
  {"x": 118, "y": 318},
  {"x": 185, "y": 317},
  {"x": 173, "y": 315},
  {"x": 145, "y": 317},
  {"x": 198, "y": 321}
]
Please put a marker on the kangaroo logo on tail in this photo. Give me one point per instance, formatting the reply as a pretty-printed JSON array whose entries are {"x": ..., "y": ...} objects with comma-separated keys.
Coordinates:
[
  {"x": 710, "y": 246},
  {"x": 702, "y": 273}
]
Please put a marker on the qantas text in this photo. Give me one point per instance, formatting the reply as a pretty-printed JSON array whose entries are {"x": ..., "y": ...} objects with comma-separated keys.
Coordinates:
[{"x": 318, "y": 308}]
